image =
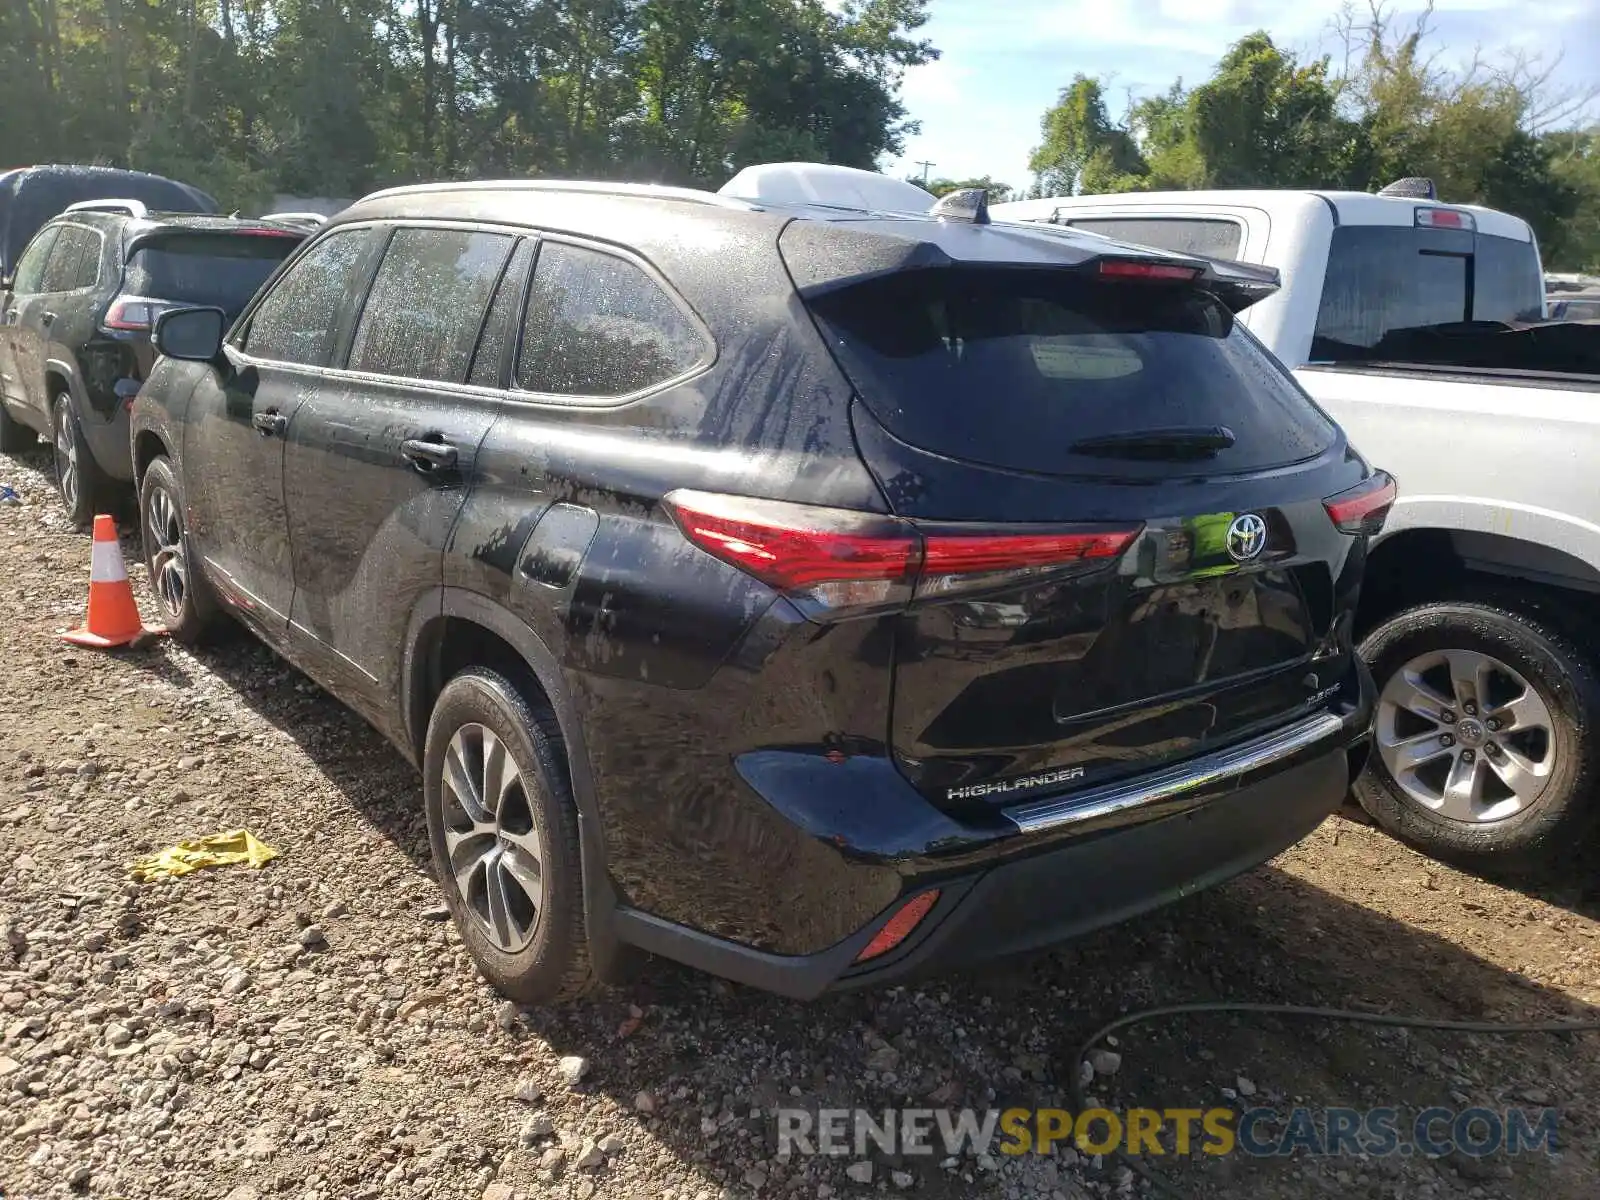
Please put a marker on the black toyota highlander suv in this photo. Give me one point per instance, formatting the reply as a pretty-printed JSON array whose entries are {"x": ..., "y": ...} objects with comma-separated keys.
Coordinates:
[
  {"x": 75, "y": 325},
  {"x": 810, "y": 596}
]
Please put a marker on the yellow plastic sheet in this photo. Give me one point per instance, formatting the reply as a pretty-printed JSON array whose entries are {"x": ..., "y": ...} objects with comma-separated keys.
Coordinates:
[{"x": 217, "y": 850}]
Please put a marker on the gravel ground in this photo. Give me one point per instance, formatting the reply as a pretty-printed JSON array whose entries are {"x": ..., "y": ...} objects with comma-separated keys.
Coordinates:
[{"x": 315, "y": 1030}]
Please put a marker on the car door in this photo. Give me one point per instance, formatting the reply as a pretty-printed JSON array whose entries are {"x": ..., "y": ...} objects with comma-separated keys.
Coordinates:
[
  {"x": 25, "y": 286},
  {"x": 380, "y": 459},
  {"x": 33, "y": 319},
  {"x": 238, "y": 417}
]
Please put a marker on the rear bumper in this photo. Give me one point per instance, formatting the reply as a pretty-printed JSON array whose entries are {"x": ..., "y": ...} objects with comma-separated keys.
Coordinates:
[{"x": 1059, "y": 878}]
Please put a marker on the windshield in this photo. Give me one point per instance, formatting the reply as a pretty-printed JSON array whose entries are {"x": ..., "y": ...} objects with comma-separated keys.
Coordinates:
[
  {"x": 1029, "y": 369},
  {"x": 1385, "y": 284},
  {"x": 220, "y": 269}
]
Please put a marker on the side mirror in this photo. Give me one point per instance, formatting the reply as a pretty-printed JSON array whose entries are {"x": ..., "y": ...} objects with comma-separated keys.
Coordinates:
[
  {"x": 5, "y": 282},
  {"x": 192, "y": 334}
]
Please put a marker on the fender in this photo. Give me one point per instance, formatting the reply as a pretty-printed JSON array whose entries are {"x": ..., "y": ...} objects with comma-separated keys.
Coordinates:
[
  {"x": 599, "y": 897},
  {"x": 1562, "y": 548}
]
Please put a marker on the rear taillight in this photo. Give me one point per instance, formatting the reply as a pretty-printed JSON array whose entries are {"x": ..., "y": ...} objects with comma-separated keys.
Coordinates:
[
  {"x": 131, "y": 313},
  {"x": 1363, "y": 508},
  {"x": 1118, "y": 268},
  {"x": 837, "y": 562}
]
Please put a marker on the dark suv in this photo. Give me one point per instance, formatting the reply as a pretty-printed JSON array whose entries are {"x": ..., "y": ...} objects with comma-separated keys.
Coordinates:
[
  {"x": 810, "y": 596},
  {"x": 75, "y": 326}
]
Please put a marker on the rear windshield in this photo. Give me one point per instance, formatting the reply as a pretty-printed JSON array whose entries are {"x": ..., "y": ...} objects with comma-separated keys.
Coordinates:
[
  {"x": 220, "y": 269},
  {"x": 1385, "y": 283},
  {"x": 1013, "y": 368}
]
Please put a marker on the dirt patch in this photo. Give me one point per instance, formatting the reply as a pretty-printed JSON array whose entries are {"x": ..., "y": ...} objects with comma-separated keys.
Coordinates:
[{"x": 315, "y": 1030}]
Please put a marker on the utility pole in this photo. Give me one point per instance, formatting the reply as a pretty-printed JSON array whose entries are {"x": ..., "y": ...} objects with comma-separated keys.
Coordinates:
[{"x": 926, "y": 166}]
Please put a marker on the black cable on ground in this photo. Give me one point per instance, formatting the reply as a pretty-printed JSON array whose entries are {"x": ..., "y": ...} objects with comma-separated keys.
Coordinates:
[{"x": 1162, "y": 1186}]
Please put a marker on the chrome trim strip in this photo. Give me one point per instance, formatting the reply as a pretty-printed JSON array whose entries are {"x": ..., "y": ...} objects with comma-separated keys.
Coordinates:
[{"x": 1094, "y": 804}]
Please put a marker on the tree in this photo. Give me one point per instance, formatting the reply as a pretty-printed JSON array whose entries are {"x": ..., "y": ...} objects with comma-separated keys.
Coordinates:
[
  {"x": 1263, "y": 120},
  {"x": 1082, "y": 150}
]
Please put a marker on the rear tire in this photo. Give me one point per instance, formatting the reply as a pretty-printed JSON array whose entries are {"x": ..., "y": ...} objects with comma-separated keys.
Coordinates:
[
  {"x": 15, "y": 437},
  {"x": 503, "y": 826},
  {"x": 1501, "y": 780},
  {"x": 84, "y": 488},
  {"x": 189, "y": 607}
]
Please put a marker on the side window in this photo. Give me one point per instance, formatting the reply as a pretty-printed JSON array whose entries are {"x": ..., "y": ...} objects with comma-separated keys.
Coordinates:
[
  {"x": 30, "y": 268},
  {"x": 426, "y": 307},
  {"x": 1185, "y": 235},
  {"x": 87, "y": 273},
  {"x": 61, "y": 273},
  {"x": 295, "y": 322},
  {"x": 597, "y": 325},
  {"x": 502, "y": 314}
]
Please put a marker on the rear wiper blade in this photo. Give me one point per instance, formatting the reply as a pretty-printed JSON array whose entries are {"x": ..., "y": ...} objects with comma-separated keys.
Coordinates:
[{"x": 1190, "y": 441}]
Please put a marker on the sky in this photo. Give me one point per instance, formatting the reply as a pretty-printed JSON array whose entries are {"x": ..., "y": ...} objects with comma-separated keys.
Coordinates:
[{"x": 1004, "y": 61}]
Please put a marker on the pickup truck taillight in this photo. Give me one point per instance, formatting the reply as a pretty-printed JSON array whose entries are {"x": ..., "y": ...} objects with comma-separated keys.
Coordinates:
[{"x": 1363, "y": 508}]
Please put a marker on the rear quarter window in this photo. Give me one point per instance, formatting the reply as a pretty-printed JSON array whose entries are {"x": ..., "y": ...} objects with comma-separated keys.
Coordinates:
[
  {"x": 599, "y": 326},
  {"x": 1013, "y": 368}
]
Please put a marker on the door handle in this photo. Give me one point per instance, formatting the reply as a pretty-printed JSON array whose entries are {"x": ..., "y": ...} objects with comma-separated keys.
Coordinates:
[
  {"x": 47, "y": 318},
  {"x": 270, "y": 423},
  {"x": 429, "y": 456}
]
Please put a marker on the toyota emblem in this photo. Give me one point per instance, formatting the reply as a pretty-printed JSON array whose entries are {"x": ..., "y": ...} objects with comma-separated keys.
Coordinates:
[{"x": 1247, "y": 537}]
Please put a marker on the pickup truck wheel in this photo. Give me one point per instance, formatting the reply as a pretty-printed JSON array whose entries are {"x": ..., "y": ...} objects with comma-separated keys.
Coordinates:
[
  {"x": 504, "y": 831},
  {"x": 1486, "y": 738}
]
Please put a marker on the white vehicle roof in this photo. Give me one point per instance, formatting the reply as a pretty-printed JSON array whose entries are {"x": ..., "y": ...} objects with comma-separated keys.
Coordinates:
[
  {"x": 823, "y": 183},
  {"x": 1353, "y": 208}
]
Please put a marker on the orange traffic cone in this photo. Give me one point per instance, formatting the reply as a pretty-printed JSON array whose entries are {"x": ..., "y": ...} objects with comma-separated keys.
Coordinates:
[{"x": 113, "y": 612}]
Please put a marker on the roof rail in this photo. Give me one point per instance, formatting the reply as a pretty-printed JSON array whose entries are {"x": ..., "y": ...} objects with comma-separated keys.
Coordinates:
[
  {"x": 133, "y": 208},
  {"x": 311, "y": 218},
  {"x": 645, "y": 191}
]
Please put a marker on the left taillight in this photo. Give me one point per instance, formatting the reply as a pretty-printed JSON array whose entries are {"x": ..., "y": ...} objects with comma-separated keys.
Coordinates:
[
  {"x": 1363, "y": 508},
  {"x": 839, "y": 562}
]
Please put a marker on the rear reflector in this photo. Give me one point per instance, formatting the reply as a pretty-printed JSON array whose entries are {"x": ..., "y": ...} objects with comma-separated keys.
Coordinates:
[
  {"x": 1116, "y": 268},
  {"x": 898, "y": 927},
  {"x": 837, "y": 562},
  {"x": 1363, "y": 508}
]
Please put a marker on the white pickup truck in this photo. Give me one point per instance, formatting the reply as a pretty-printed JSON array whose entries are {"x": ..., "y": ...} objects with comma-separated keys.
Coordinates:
[{"x": 1409, "y": 321}]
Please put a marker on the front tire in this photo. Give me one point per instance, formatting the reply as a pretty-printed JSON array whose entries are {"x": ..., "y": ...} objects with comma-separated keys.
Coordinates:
[
  {"x": 1486, "y": 743},
  {"x": 504, "y": 832},
  {"x": 84, "y": 488},
  {"x": 189, "y": 607}
]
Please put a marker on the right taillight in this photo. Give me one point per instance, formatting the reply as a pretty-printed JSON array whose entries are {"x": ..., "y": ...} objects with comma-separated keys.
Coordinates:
[
  {"x": 837, "y": 562},
  {"x": 132, "y": 314},
  {"x": 1363, "y": 508}
]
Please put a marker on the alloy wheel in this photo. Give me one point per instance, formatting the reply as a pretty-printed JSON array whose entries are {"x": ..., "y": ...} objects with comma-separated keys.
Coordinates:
[
  {"x": 1465, "y": 735},
  {"x": 169, "y": 568},
  {"x": 493, "y": 837},
  {"x": 66, "y": 457}
]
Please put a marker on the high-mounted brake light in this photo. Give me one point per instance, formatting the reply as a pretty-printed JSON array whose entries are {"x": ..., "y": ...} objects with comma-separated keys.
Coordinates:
[
  {"x": 837, "y": 562},
  {"x": 1445, "y": 218},
  {"x": 898, "y": 927},
  {"x": 1118, "y": 268},
  {"x": 271, "y": 233},
  {"x": 1363, "y": 508}
]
